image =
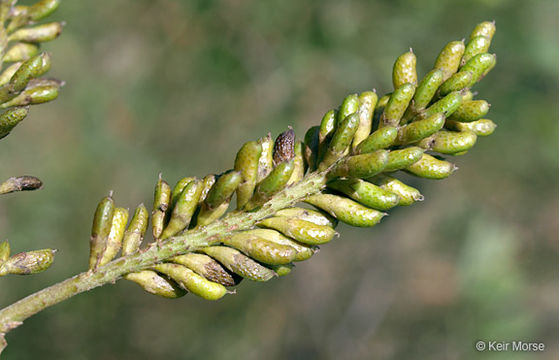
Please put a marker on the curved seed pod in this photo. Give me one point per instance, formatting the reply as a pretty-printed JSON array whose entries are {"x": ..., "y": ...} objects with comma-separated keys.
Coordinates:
[
  {"x": 247, "y": 163},
  {"x": 20, "y": 183},
  {"x": 379, "y": 139},
  {"x": 10, "y": 118},
  {"x": 341, "y": 140},
  {"x": 33, "y": 96},
  {"x": 114, "y": 240},
  {"x": 266, "y": 160},
  {"x": 20, "y": 52},
  {"x": 408, "y": 195},
  {"x": 476, "y": 45},
  {"x": 207, "y": 267},
  {"x": 27, "y": 263},
  {"x": 302, "y": 252},
  {"x": 349, "y": 106},
  {"x": 282, "y": 270},
  {"x": 447, "y": 105},
  {"x": 360, "y": 166},
  {"x": 481, "y": 127},
  {"x": 397, "y": 105},
  {"x": 427, "y": 88},
  {"x": 206, "y": 216},
  {"x": 273, "y": 183},
  {"x": 223, "y": 189},
  {"x": 239, "y": 263},
  {"x": 8, "y": 73},
  {"x": 430, "y": 167},
  {"x": 367, "y": 102},
  {"x": 311, "y": 146},
  {"x": 178, "y": 189},
  {"x": 40, "y": 33},
  {"x": 314, "y": 216},
  {"x": 400, "y": 159},
  {"x": 207, "y": 182},
  {"x": 346, "y": 210},
  {"x": 183, "y": 210},
  {"x": 471, "y": 110},
  {"x": 298, "y": 165},
  {"x": 102, "y": 221},
  {"x": 284, "y": 147},
  {"x": 192, "y": 282},
  {"x": 486, "y": 28},
  {"x": 302, "y": 231},
  {"x": 42, "y": 9},
  {"x": 366, "y": 193},
  {"x": 449, "y": 142},
  {"x": 4, "y": 251},
  {"x": 325, "y": 132},
  {"x": 136, "y": 230},
  {"x": 449, "y": 58},
  {"x": 404, "y": 71},
  {"x": 260, "y": 249},
  {"x": 156, "y": 284},
  {"x": 420, "y": 129},
  {"x": 162, "y": 197},
  {"x": 479, "y": 66},
  {"x": 32, "y": 68},
  {"x": 456, "y": 82}
]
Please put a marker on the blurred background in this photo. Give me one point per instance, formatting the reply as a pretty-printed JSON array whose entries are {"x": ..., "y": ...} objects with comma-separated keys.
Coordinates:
[{"x": 177, "y": 86}]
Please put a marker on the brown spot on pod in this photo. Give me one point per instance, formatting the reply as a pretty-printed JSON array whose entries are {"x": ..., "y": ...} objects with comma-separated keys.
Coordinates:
[{"x": 284, "y": 146}]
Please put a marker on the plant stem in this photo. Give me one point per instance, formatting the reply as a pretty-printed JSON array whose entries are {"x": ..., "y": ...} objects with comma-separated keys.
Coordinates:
[{"x": 192, "y": 240}]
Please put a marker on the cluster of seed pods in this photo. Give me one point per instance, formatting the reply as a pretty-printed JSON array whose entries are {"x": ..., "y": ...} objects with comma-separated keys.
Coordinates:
[
  {"x": 358, "y": 148},
  {"x": 21, "y": 84}
]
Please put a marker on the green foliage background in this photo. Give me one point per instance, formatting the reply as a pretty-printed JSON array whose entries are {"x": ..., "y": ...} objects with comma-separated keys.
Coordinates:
[{"x": 177, "y": 86}]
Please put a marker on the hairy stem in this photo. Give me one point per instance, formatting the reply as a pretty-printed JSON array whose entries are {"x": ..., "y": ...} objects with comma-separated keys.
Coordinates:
[{"x": 13, "y": 315}]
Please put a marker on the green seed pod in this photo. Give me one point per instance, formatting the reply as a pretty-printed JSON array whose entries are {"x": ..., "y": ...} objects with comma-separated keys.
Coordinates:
[
  {"x": 207, "y": 267},
  {"x": 311, "y": 147},
  {"x": 302, "y": 252},
  {"x": 247, "y": 163},
  {"x": 4, "y": 251},
  {"x": 282, "y": 270},
  {"x": 486, "y": 28},
  {"x": 156, "y": 284},
  {"x": 8, "y": 73},
  {"x": 449, "y": 58},
  {"x": 102, "y": 222},
  {"x": 266, "y": 160},
  {"x": 314, "y": 216},
  {"x": 161, "y": 199},
  {"x": 420, "y": 129},
  {"x": 349, "y": 106},
  {"x": 183, "y": 210},
  {"x": 32, "y": 68},
  {"x": 302, "y": 231},
  {"x": 40, "y": 33},
  {"x": 400, "y": 159},
  {"x": 479, "y": 66},
  {"x": 456, "y": 82},
  {"x": 239, "y": 263},
  {"x": 298, "y": 165},
  {"x": 326, "y": 129},
  {"x": 207, "y": 183},
  {"x": 407, "y": 194},
  {"x": 481, "y": 127},
  {"x": 471, "y": 110},
  {"x": 260, "y": 249},
  {"x": 449, "y": 142},
  {"x": 397, "y": 105},
  {"x": 178, "y": 189},
  {"x": 367, "y": 102},
  {"x": 20, "y": 52},
  {"x": 27, "y": 263},
  {"x": 114, "y": 240},
  {"x": 379, "y": 139},
  {"x": 284, "y": 147},
  {"x": 223, "y": 189},
  {"x": 134, "y": 235},
  {"x": 20, "y": 183},
  {"x": 192, "y": 282},
  {"x": 273, "y": 183},
  {"x": 34, "y": 96},
  {"x": 42, "y": 9},
  {"x": 366, "y": 193},
  {"x": 427, "y": 88},
  {"x": 447, "y": 105},
  {"x": 207, "y": 216},
  {"x": 430, "y": 167},
  {"x": 341, "y": 140},
  {"x": 477, "y": 45},
  {"x": 379, "y": 109},
  {"x": 346, "y": 210},
  {"x": 404, "y": 71},
  {"x": 360, "y": 166},
  {"x": 10, "y": 118},
  {"x": 467, "y": 95}
]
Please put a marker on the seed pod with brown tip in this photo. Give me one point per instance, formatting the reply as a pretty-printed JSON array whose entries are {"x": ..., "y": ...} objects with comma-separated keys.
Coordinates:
[
  {"x": 40, "y": 33},
  {"x": 302, "y": 252},
  {"x": 273, "y": 183},
  {"x": 114, "y": 240},
  {"x": 449, "y": 142},
  {"x": 400, "y": 159},
  {"x": 136, "y": 230},
  {"x": 302, "y": 231},
  {"x": 239, "y": 263},
  {"x": 260, "y": 249},
  {"x": 367, "y": 102},
  {"x": 207, "y": 267},
  {"x": 102, "y": 222},
  {"x": 266, "y": 160},
  {"x": 346, "y": 210},
  {"x": 430, "y": 167},
  {"x": 366, "y": 193},
  {"x": 481, "y": 127},
  {"x": 161, "y": 200},
  {"x": 298, "y": 165},
  {"x": 341, "y": 140},
  {"x": 247, "y": 163},
  {"x": 20, "y": 183},
  {"x": 397, "y": 105},
  {"x": 379, "y": 139},
  {"x": 360, "y": 166},
  {"x": 314, "y": 216},
  {"x": 449, "y": 58},
  {"x": 156, "y": 284},
  {"x": 4, "y": 251},
  {"x": 407, "y": 194},
  {"x": 192, "y": 282},
  {"x": 27, "y": 263},
  {"x": 284, "y": 147},
  {"x": 404, "y": 71},
  {"x": 183, "y": 210}
]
